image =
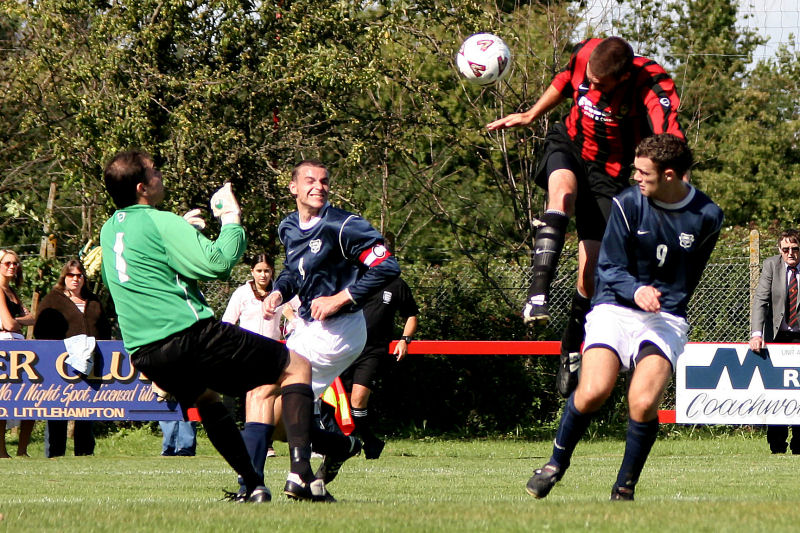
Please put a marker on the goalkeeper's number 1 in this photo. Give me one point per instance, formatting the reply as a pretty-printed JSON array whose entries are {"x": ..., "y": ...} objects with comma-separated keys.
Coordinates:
[{"x": 120, "y": 264}]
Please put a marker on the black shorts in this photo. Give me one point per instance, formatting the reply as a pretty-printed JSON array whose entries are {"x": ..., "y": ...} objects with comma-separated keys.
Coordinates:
[
  {"x": 211, "y": 355},
  {"x": 595, "y": 187},
  {"x": 364, "y": 370}
]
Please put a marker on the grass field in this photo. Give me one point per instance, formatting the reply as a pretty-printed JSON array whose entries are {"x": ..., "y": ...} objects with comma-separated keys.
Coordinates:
[{"x": 713, "y": 483}]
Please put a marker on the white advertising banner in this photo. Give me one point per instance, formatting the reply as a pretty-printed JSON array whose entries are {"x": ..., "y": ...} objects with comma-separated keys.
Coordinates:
[{"x": 729, "y": 384}]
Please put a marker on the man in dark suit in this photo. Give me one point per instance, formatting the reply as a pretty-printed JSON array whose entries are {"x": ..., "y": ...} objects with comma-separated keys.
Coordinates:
[{"x": 775, "y": 317}]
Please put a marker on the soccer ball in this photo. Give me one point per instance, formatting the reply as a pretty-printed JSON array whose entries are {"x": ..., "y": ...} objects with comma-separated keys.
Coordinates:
[{"x": 483, "y": 59}]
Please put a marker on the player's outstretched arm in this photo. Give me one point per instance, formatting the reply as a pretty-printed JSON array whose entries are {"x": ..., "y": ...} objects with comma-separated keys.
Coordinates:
[{"x": 551, "y": 98}]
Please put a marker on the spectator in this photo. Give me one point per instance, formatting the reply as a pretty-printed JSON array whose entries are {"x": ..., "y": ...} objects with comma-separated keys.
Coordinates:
[
  {"x": 70, "y": 309},
  {"x": 13, "y": 316},
  {"x": 180, "y": 438},
  {"x": 244, "y": 308},
  {"x": 361, "y": 376},
  {"x": 775, "y": 317}
]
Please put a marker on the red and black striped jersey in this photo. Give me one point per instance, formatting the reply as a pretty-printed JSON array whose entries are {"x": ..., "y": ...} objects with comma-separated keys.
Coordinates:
[{"x": 607, "y": 128}]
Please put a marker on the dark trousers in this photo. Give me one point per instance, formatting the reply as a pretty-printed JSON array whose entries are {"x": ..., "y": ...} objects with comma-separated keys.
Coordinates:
[
  {"x": 777, "y": 435},
  {"x": 55, "y": 438}
]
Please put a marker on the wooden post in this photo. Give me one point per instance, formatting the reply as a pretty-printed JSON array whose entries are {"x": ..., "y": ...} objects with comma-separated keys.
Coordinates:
[
  {"x": 755, "y": 264},
  {"x": 47, "y": 248}
]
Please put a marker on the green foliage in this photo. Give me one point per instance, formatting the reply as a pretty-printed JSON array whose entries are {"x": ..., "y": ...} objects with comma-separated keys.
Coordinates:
[{"x": 235, "y": 90}]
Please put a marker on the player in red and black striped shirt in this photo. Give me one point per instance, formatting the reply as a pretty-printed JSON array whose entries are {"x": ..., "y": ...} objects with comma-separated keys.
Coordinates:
[{"x": 618, "y": 99}]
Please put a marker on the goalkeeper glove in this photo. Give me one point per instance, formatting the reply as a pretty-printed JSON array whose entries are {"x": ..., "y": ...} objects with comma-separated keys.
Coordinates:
[
  {"x": 224, "y": 205},
  {"x": 193, "y": 217}
]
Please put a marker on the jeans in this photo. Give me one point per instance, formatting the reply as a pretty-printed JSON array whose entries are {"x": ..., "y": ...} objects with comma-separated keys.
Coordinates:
[{"x": 180, "y": 438}]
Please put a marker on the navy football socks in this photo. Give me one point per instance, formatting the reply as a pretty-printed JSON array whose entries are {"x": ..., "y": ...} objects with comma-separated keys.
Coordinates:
[{"x": 570, "y": 431}]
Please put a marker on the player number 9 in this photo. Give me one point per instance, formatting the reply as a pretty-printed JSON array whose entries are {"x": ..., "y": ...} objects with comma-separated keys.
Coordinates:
[{"x": 661, "y": 254}]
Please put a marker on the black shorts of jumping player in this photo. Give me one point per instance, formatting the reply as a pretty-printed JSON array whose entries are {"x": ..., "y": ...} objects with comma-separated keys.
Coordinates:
[
  {"x": 211, "y": 355},
  {"x": 595, "y": 187},
  {"x": 365, "y": 370}
]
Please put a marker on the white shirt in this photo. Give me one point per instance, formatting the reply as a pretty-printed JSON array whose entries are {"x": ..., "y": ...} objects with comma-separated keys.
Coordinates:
[
  {"x": 790, "y": 271},
  {"x": 245, "y": 308}
]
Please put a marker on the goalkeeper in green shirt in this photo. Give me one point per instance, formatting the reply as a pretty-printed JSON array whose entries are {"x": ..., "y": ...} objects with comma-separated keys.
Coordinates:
[{"x": 152, "y": 261}]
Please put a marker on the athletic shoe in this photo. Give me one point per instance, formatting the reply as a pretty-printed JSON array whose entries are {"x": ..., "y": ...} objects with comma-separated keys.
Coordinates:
[
  {"x": 535, "y": 310},
  {"x": 373, "y": 448},
  {"x": 543, "y": 480},
  {"x": 260, "y": 494},
  {"x": 271, "y": 452},
  {"x": 567, "y": 376},
  {"x": 238, "y": 497},
  {"x": 621, "y": 494},
  {"x": 315, "y": 491},
  {"x": 332, "y": 463}
]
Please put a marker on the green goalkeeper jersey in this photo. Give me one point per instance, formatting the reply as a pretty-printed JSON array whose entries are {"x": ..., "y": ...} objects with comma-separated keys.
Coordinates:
[{"x": 152, "y": 261}]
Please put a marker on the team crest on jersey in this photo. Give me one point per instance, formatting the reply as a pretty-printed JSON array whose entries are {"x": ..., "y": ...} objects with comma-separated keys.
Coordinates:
[
  {"x": 121, "y": 216},
  {"x": 686, "y": 240},
  {"x": 315, "y": 245},
  {"x": 387, "y": 297}
]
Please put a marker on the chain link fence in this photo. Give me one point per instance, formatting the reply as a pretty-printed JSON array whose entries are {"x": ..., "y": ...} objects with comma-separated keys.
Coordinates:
[{"x": 718, "y": 312}]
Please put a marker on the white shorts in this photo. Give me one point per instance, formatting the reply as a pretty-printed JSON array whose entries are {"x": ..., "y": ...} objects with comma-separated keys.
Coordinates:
[
  {"x": 623, "y": 330},
  {"x": 330, "y": 345}
]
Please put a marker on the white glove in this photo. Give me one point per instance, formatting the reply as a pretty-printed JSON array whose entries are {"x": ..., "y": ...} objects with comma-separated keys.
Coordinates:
[
  {"x": 92, "y": 261},
  {"x": 224, "y": 205},
  {"x": 193, "y": 217},
  {"x": 161, "y": 394}
]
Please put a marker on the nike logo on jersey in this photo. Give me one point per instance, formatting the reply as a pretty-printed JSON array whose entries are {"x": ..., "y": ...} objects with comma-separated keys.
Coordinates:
[
  {"x": 540, "y": 251},
  {"x": 290, "y": 252},
  {"x": 642, "y": 232}
]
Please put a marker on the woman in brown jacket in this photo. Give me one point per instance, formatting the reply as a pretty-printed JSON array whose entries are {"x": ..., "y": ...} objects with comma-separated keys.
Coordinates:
[{"x": 70, "y": 309}]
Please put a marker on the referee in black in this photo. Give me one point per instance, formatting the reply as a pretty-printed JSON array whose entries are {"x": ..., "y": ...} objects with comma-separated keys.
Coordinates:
[{"x": 362, "y": 375}]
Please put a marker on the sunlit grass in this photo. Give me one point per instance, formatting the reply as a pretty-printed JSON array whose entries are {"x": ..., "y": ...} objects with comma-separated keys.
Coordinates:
[{"x": 722, "y": 483}]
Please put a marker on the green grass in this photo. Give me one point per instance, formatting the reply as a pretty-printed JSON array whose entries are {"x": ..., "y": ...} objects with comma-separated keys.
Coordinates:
[{"x": 728, "y": 482}]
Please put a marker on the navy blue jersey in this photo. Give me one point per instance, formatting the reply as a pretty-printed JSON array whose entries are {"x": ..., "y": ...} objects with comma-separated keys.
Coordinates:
[
  {"x": 662, "y": 245},
  {"x": 341, "y": 251}
]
